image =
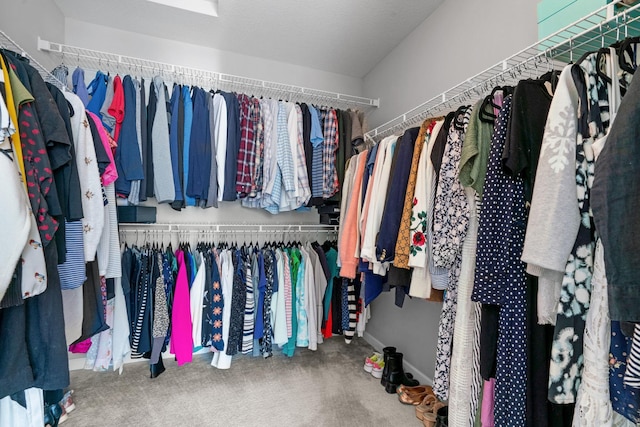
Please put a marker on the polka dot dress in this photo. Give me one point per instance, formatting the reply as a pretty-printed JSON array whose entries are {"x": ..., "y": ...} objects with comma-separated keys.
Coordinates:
[
  {"x": 500, "y": 276},
  {"x": 625, "y": 400}
]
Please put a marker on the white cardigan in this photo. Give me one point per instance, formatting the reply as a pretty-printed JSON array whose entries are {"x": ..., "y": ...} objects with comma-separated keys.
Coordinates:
[{"x": 376, "y": 204}]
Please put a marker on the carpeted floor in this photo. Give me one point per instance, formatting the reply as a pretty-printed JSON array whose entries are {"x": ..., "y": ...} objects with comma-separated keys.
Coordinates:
[{"x": 323, "y": 388}]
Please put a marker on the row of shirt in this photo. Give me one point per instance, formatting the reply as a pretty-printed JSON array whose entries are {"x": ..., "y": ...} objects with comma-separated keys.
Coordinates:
[
  {"x": 190, "y": 147},
  {"x": 492, "y": 204},
  {"x": 246, "y": 300}
]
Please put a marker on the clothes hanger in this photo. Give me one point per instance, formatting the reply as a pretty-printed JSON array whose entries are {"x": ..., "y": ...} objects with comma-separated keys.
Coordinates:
[
  {"x": 601, "y": 62},
  {"x": 487, "y": 116},
  {"x": 627, "y": 46}
]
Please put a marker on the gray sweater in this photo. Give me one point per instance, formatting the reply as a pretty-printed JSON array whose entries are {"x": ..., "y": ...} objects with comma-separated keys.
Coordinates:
[
  {"x": 162, "y": 171},
  {"x": 554, "y": 218},
  {"x": 212, "y": 197}
]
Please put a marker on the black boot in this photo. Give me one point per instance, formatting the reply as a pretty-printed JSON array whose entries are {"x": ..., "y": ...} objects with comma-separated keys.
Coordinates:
[
  {"x": 396, "y": 374},
  {"x": 442, "y": 417},
  {"x": 385, "y": 371},
  {"x": 157, "y": 369}
]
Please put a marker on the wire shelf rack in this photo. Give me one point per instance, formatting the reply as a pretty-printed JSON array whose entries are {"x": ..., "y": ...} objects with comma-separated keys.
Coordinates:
[
  {"x": 112, "y": 62},
  {"x": 8, "y": 43},
  {"x": 598, "y": 29}
]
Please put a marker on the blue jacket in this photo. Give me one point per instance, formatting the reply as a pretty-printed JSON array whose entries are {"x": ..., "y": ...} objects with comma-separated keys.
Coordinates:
[
  {"x": 394, "y": 204},
  {"x": 233, "y": 145},
  {"x": 127, "y": 158},
  {"x": 200, "y": 148},
  {"x": 173, "y": 142}
]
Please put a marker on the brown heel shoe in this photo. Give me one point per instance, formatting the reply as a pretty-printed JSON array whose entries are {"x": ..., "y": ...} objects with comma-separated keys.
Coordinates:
[
  {"x": 425, "y": 406},
  {"x": 429, "y": 419}
]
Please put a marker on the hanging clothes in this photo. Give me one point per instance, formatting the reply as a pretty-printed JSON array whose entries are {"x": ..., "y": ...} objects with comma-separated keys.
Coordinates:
[
  {"x": 162, "y": 151},
  {"x": 449, "y": 244},
  {"x": 182, "y": 340},
  {"x": 564, "y": 378}
]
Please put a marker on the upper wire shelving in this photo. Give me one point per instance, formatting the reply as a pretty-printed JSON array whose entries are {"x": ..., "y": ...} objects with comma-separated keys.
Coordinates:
[
  {"x": 598, "y": 29},
  {"x": 8, "y": 43},
  {"x": 105, "y": 61}
]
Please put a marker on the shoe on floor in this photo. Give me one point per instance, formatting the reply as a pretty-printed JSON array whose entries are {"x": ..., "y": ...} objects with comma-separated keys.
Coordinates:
[
  {"x": 67, "y": 402},
  {"x": 63, "y": 416},
  {"x": 426, "y": 406},
  {"x": 370, "y": 361},
  {"x": 429, "y": 419},
  {"x": 377, "y": 369},
  {"x": 414, "y": 395},
  {"x": 52, "y": 415}
]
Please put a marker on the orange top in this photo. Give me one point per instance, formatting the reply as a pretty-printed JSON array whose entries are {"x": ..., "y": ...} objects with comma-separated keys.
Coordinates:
[{"x": 349, "y": 262}]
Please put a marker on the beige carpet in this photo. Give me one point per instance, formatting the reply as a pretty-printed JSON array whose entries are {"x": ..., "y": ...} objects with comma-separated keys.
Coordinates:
[{"x": 323, "y": 388}]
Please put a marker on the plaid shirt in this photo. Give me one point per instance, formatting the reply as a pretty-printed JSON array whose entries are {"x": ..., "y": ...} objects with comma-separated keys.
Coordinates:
[
  {"x": 258, "y": 129},
  {"x": 246, "y": 152},
  {"x": 267, "y": 139},
  {"x": 329, "y": 171},
  {"x": 303, "y": 192},
  {"x": 285, "y": 156}
]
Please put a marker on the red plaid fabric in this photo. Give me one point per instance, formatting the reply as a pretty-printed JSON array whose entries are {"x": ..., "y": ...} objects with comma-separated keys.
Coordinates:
[
  {"x": 246, "y": 152},
  {"x": 258, "y": 130}
]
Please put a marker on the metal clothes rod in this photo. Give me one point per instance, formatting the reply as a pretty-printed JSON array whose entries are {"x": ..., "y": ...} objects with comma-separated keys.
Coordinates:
[
  {"x": 112, "y": 62},
  {"x": 222, "y": 228},
  {"x": 8, "y": 43},
  {"x": 601, "y": 28}
]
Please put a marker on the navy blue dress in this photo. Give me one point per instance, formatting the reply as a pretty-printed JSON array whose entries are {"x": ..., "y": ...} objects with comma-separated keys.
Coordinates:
[{"x": 500, "y": 276}]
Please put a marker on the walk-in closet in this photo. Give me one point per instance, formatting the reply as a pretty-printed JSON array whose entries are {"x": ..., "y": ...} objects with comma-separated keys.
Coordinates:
[{"x": 338, "y": 213}]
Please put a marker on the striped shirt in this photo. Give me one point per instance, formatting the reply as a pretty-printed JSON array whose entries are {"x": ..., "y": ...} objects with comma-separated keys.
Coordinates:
[
  {"x": 287, "y": 293},
  {"x": 317, "y": 142},
  {"x": 304, "y": 191},
  {"x": 632, "y": 374},
  {"x": 249, "y": 307},
  {"x": 329, "y": 171},
  {"x": 73, "y": 272},
  {"x": 285, "y": 157}
]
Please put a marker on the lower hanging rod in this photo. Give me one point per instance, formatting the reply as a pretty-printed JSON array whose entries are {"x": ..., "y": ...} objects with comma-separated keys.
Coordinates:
[{"x": 221, "y": 228}]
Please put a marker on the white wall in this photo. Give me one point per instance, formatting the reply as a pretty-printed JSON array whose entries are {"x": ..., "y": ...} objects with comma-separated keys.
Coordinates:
[
  {"x": 458, "y": 40},
  {"x": 24, "y": 20},
  {"x": 98, "y": 37}
]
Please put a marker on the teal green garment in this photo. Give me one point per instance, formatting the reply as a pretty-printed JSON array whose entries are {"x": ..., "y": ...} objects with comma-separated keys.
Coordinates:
[
  {"x": 294, "y": 264},
  {"x": 475, "y": 150},
  {"x": 173, "y": 261},
  {"x": 194, "y": 269},
  {"x": 332, "y": 261},
  {"x": 302, "y": 337}
]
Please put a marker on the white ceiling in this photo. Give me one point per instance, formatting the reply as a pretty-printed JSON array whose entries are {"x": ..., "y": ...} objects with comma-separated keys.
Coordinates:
[{"x": 343, "y": 36}]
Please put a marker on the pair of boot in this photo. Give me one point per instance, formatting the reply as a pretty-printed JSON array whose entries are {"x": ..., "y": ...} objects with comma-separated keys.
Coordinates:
[{"x": 393, "y": 374}]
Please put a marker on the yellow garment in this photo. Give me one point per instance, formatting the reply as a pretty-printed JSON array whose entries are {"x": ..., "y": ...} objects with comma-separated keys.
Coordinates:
[
  {"x": 11, "y": 106},
  {"x": 403, "y": 243}
]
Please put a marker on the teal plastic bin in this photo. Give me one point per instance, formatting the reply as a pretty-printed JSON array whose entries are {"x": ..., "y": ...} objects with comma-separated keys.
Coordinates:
[{"x": 554, "y": 15}]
